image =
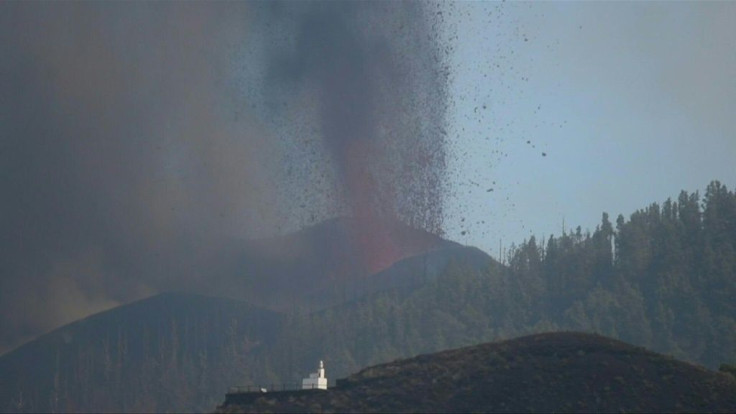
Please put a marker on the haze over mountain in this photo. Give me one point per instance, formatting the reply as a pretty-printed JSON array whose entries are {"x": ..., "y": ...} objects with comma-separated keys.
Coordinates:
[
  {"x": 178, "y": 351},
  {"x": 305, "y": 166},
  {"x": 168, "y": 352},
  {"x": 338, "y": 254},
  {"x": 668, "y": 287},
  {"x": 142, "y": 141}
]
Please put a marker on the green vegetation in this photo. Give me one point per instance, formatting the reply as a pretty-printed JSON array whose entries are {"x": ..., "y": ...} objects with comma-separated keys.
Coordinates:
[{"x": 664, "y": 279}]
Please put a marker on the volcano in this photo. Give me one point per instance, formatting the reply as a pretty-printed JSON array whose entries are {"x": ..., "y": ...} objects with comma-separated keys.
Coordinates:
[
  {"x": 338, "y": 253},
  {"x": 177, "y": 351}
]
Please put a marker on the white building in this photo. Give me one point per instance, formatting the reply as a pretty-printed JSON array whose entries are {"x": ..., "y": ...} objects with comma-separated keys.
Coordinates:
[{"x": 316, "y": 380}]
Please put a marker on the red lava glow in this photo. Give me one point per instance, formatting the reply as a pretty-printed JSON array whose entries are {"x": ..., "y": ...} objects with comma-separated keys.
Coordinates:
[{"x": 380, "y": 243}]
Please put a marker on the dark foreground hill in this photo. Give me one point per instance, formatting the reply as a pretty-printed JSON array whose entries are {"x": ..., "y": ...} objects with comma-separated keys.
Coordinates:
[{"x": 568, "y": 372}]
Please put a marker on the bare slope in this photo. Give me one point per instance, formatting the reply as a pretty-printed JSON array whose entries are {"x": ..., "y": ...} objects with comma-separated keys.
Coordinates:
[
  {"x": 569, "y": 372},
  {"x": 170, "y": 352}
]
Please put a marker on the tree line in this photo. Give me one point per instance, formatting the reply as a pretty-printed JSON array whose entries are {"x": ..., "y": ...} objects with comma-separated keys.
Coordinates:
[{"x": 664, "y": 279}]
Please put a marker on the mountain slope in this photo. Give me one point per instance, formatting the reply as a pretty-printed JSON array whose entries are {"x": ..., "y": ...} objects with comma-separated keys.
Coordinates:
[
  {"x": 282, "y": 272},
  {"x": 167, "y": 352},
  {"x": 669, "y": 289},
  {"x": 405, "y": 275},
  {"x": 569, "y": 372},
  {"x": 179, "y": 351}
]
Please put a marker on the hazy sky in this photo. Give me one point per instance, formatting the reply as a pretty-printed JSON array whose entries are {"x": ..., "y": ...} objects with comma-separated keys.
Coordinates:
[
  {"x": 631, "y": 102},
  {"x": 142, "y": 142}
]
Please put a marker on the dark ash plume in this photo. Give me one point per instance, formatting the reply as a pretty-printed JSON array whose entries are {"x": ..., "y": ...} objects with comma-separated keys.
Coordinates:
[
  {"x": 140, "y": 139},
  {"x": 373, "y": 90}
]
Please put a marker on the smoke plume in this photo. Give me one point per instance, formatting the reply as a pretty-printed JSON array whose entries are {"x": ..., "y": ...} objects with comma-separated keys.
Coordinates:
[{"x": 140, "y": 140}]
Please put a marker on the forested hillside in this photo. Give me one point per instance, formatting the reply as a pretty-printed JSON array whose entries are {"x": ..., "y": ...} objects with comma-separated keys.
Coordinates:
[
  {"x": 170, "y": 352},
  {"x": 664, "y": 279}
]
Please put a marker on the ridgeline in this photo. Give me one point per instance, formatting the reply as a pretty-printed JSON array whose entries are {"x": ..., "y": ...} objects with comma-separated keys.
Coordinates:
[
  {"x": 665, "y": 279},
  {"x": 553, "y": 372}
]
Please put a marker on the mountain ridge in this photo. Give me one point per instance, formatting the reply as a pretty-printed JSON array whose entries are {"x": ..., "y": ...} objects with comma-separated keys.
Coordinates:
[
  {"x": 561, "y": 371},
  {"x": 107, "y": 361},
  {"x": 680, "y": 307},
  {"x": 177, "y": 350},
  {"x": 279, "y": 272}
]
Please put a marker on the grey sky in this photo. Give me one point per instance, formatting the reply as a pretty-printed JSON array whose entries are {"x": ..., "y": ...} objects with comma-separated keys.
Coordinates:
[{"x": 631, "y": 102}]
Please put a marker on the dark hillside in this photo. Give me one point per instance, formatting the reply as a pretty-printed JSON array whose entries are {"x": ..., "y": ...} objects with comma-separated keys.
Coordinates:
[
  {"x": 179, "y": 351},
  {"x": 668, "y": 286},
  {"x": 405, "y": 275},
  {"x": 167, "y": 352},
  {"x": 280, "y": 272},
  {"x": 568, "y": 372}
]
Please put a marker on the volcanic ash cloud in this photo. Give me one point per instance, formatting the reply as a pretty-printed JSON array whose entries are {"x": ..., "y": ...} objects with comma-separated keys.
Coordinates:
[{"x": 140, "y": 139}]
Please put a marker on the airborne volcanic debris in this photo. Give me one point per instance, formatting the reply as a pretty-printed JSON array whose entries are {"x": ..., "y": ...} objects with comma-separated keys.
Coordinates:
[{"x": 275, "y": 115}]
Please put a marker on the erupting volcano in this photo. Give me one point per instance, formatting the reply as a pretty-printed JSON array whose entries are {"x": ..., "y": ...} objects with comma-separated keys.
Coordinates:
[
  {"x": 374, "y": 92},
  {"x": 179, "y": 132}
]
